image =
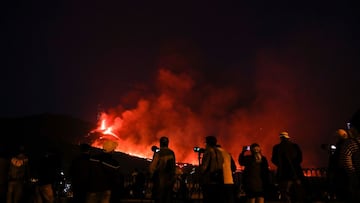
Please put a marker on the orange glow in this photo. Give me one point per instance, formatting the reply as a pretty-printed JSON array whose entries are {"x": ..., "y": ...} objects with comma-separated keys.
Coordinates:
[
  {"x": 126, "y": 146},
  {"x": 187, "y": 113}
]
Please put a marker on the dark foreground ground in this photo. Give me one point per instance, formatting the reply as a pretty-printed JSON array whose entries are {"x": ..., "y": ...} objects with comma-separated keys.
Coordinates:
[{"x": 189, "y": 201}]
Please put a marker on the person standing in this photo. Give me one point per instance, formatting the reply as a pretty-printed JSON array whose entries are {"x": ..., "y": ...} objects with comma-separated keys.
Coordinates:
[
  {"x": 336, "y": 175},
  {"x": 350, "y": 159},
  {"x": 48, "y": 167},
  {"x": 287, "y": 157},
  {"x": 211, "y": 172},
  {"x": 18, "y": 174},
  {"x": 256, "y": 173},
  {"x": 229, "y": 168},
  {"x": 162, "y": 171},
  {"x": 79, "y": 174},
  {"x": 105, "y": 175}
]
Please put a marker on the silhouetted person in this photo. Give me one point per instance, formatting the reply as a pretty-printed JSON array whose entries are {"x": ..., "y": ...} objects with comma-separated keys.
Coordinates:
[
  {"x": 79, "y": 174},
  {"x": 350, "y": 159},
  {"x": 18, "y": 175},
  {"x": 287, "y": 156},
  {"x": 229, "y": 167},
  {"x": 138, "y": 183},
  {"x": 256, "y": 173},
  {"x": 162, "y": 171},
  {"x": 47, "y": 168},
  {"x": 211, "y": 172},
  {"x": 105, "y": 174},
  {"x": 336, "y": 175}
]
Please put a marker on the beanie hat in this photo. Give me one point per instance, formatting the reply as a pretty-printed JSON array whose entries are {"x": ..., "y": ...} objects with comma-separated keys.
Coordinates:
[{"x": 109, "y": 146}]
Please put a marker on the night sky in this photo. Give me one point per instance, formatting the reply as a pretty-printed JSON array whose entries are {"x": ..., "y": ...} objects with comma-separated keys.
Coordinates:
[{"x": 243, "y": 71}]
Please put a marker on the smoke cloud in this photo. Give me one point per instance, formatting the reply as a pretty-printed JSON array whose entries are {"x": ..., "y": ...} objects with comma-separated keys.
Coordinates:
[{"x": 279, "y": 90}]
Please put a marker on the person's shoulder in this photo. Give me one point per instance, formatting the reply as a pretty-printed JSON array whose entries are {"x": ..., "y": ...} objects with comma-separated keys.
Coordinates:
[
  {"x": 276, "y": 146},
  {"x": 247, "y": 156},
  {"x": 350, "y": 141},
  {"x": 166, "y": 150},
  {"x": 96, "y": 157},
  {"x": 112, "y": 163},
  {"x": 295, "y": 144}
]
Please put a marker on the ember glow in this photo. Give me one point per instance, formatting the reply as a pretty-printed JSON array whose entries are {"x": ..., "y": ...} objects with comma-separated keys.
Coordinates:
[
  {"x": 187, "y": 112},
  {"x": 107, "y": 130}
]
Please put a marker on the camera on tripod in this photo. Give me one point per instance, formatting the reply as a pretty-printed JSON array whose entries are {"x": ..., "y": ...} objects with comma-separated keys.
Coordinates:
[{"x": 199, "y": 150}]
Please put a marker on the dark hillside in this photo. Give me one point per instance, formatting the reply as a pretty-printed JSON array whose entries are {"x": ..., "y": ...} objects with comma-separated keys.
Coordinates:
[{"x": 59, "y": 133}]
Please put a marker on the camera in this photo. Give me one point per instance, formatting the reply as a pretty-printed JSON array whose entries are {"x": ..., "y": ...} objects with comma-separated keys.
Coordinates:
[
  {"x": 198, "y": 149},
  {"x": 246, "y": 148},
  {"x": 155, "y": 149},
  {"x": 348, "y": 126}
]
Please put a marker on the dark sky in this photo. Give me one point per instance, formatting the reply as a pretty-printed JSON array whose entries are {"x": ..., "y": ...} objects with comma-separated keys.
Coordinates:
[{"x": 284, "y": 60}]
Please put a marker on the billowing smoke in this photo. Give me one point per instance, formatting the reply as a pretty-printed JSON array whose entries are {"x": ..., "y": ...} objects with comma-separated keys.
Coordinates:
[
  {"x": 277, "y": 91},
  {"x": 187, "y": 112}
]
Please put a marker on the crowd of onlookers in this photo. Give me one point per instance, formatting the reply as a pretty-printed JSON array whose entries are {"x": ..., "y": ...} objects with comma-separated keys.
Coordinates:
[
  {"x": 217, "y": 167},
  {"x": 28, "y": 180},
  {"x": 97, "y": 177}
]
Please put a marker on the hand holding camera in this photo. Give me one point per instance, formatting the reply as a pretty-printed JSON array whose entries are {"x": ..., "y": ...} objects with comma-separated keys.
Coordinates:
[{"x": 246, "y": 148}]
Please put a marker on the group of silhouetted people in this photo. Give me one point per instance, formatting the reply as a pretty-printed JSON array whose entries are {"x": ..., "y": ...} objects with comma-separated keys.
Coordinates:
[
  {"x": 25, "y": 178},
  {"x": 215, "y": 171},
  {"x": 217, "y": 167},
  {"x": 96, "y": 178},
  {"x": 344, "y": 163}
]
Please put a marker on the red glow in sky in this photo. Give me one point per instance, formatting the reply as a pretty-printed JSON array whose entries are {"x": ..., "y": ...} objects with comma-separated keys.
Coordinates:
[{"x": 186, "y": 113}]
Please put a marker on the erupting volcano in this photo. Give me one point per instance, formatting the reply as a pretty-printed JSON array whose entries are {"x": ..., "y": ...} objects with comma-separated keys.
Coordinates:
[{"x": 187, "y": 111}]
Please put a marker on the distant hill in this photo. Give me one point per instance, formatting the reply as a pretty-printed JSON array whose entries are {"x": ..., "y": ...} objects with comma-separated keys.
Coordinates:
[
  {"x": 44, "y": 127},
  {"x": 59, "y": 133}
]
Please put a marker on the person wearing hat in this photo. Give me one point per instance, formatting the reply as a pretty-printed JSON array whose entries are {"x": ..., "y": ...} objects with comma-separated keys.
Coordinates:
[
  {"x": 18, "y": 174},
  {"x": 350, "y": 159},
  {"x": 104, "y": 175},
  {"x": 163, "y": 172},
  {"x": 287, "y": 157},
  {"x": 79, "y": 173}
]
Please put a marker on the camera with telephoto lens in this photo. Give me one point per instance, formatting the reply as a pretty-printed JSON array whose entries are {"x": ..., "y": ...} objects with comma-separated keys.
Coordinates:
[{"x": 199, "y": 150}]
